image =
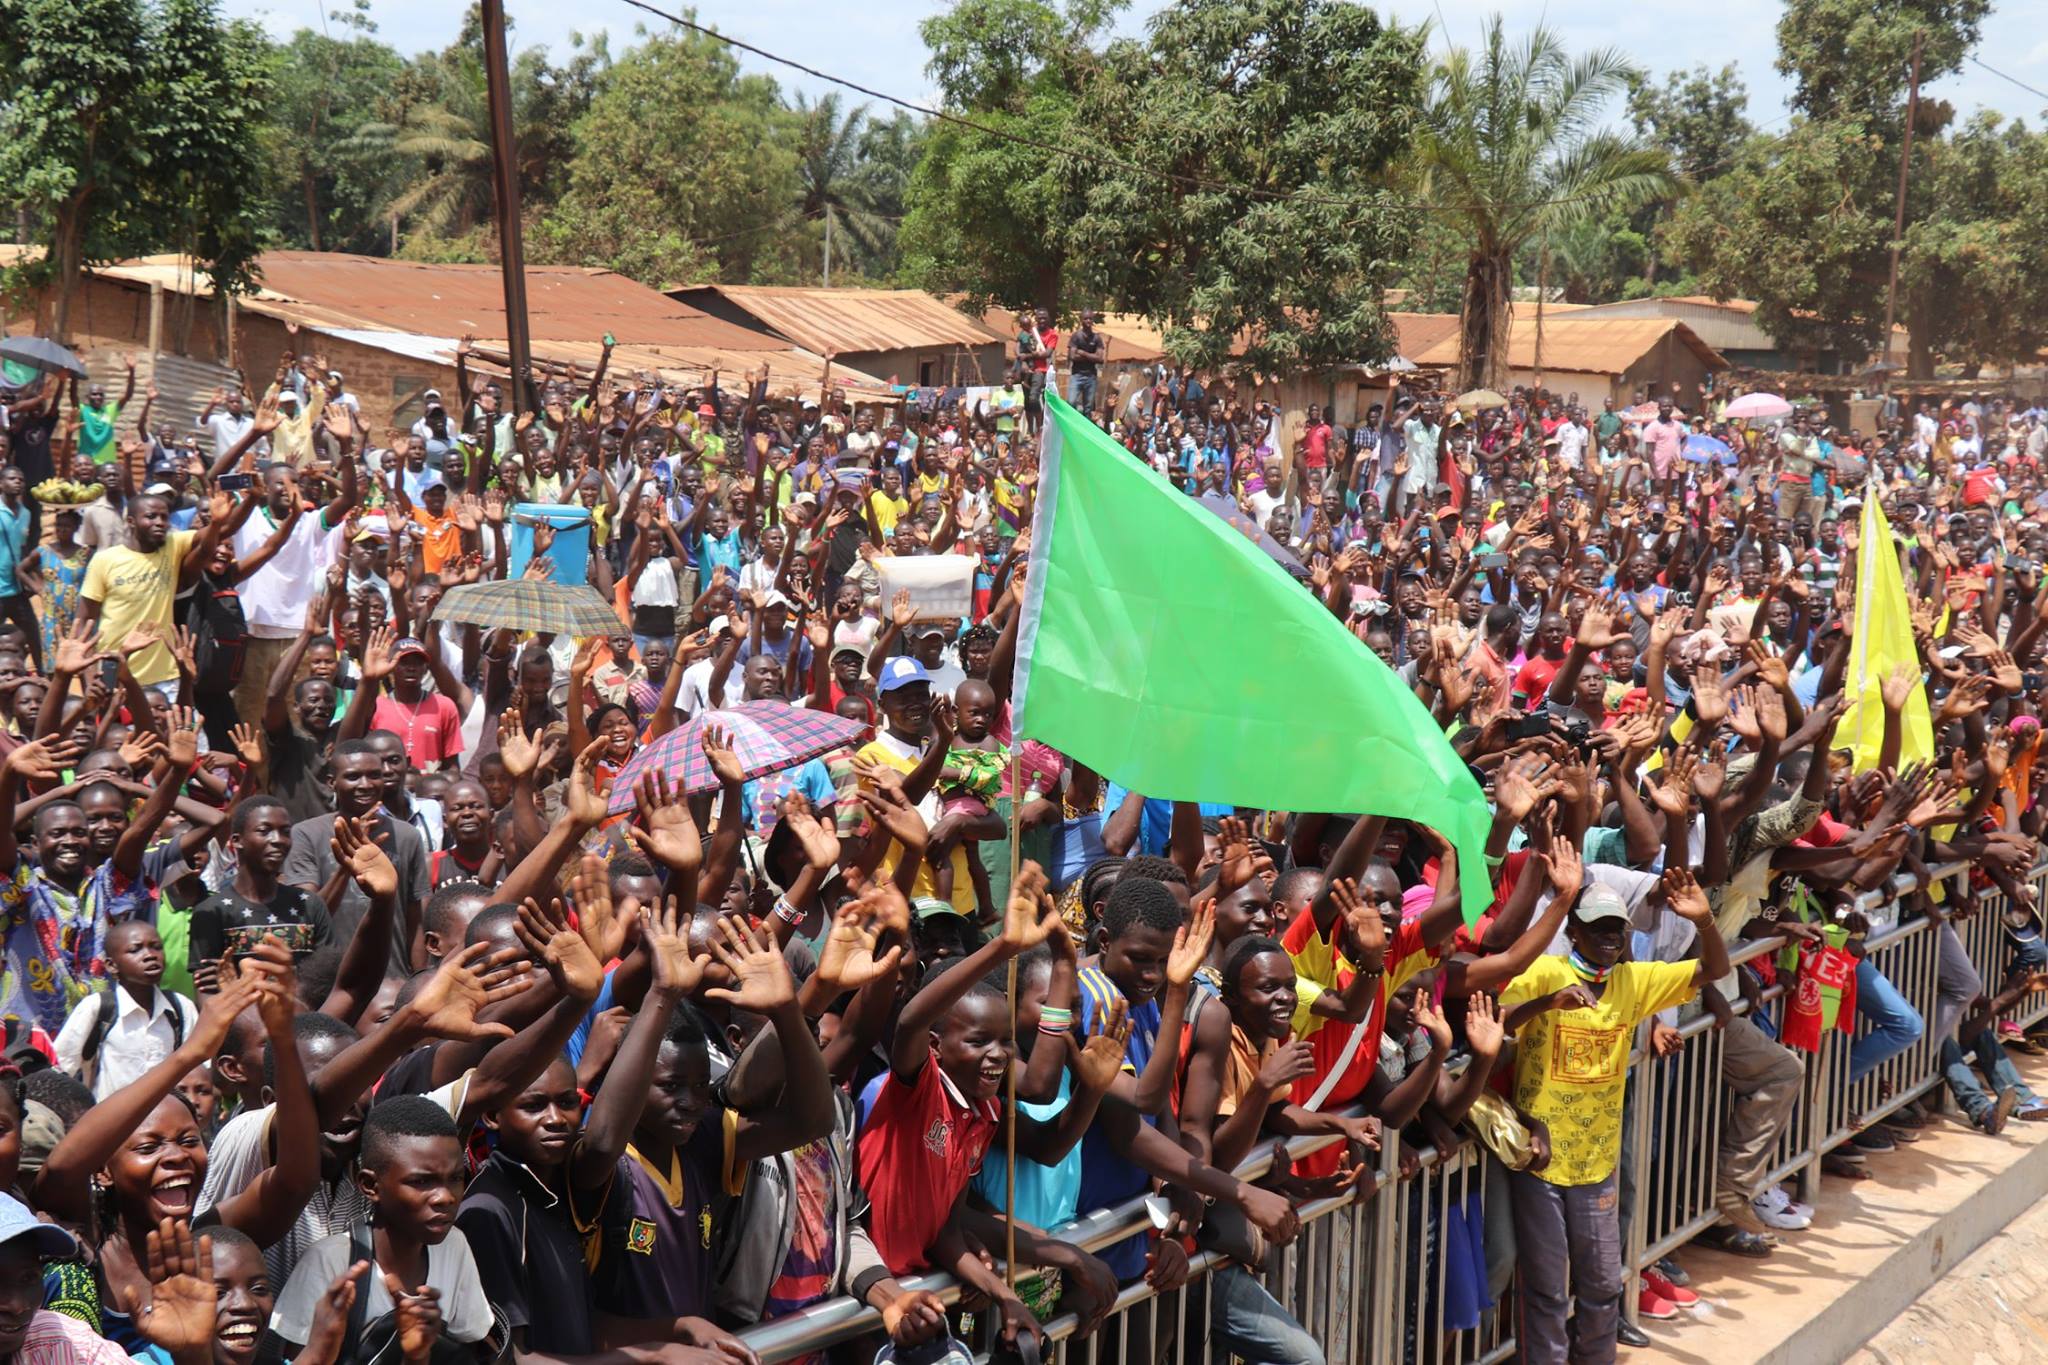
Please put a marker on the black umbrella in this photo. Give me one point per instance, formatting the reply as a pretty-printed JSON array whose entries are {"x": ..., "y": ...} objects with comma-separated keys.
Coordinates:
[
  {"x": 41, "y": 353},
  {"x": 1228, "y": 511}
]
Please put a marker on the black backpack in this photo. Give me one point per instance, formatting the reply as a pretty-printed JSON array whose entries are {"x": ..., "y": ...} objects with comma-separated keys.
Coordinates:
[
  {"x": 376, "y": 1343},
  {"x": 103, "y": 1024},
  {"x": 221, "y": 635}
]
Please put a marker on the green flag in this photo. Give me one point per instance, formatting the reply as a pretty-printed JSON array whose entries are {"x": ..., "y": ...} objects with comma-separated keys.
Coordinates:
[{"x": 1165, "y": 650}]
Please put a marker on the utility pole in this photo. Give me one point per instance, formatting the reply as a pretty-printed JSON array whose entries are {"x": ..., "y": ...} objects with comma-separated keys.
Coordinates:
[
  {"x": 828, "y": 246},
  {"x": 1891, "y": 297},
  {"x": 505, "y": 199},
  {"x": 1542, "y": 292}
]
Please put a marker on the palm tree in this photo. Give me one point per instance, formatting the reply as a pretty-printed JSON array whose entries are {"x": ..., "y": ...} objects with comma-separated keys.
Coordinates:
[
  {"x": 845, "y": 165},
  {"x": 1510, "y": 146}
]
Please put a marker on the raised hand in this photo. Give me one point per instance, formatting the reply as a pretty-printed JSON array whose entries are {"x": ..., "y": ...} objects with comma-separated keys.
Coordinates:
[
  {"x": 761, "y": 975},
  {"x": 463, "y": 986},
  {"x": 718, "y": 751},
  {"x": 378, "y": 656},
  {"x": 664, "y": 830},
  {"x": 820, "y": 843},
  {"x": 519, "y": 751},
  {"x": 1101, "y": 1058},
  {"x": 179, "y": 1316},
  {"x": 846, "y": 959},
  {"x": 1190, "y": 942},
  {"x": 184, "y": 745},
  {"x": 583, "y": 802},
  {"x": 1030, "y": 918},
  {"x": 900, "y": 820},
  {"x": 248, "y": 742},
  {"x": 1897, "y": 686},
  {"x": 676, "y": 970},
  {"x": 1368, "y": 932},
  {"x": 355, "y": 847},
  {"x": 1683, "y": 892},
  {"x": 42, "y": 761},
  {"x": 78, "y": 651},
  {"x": 549, "y": 941},
  {"x": 1484, "y": 1032},
  {"x": 604, "y": 926},
  {"x": 142, "y": 748}
]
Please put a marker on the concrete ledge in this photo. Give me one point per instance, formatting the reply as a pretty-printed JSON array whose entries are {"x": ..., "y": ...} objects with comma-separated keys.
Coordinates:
[{"x": 1876, "y": 1246}]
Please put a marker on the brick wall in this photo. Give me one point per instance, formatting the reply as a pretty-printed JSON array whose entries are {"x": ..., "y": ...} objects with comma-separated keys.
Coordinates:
[{"x": 386, "y": 385}]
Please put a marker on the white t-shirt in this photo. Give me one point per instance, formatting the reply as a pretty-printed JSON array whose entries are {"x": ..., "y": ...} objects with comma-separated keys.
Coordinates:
[
  {"x": 137, "y": 1042},
  {"x": 695, "y": 693},
  {"x": 451, "y": 1268},
  {"x": 275, "y": 598},
  {"x": 226, "y": 429}
]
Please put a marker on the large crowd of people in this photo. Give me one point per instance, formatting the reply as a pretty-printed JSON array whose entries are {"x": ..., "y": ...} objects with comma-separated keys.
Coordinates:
[{"x": 350, "y": 1015}]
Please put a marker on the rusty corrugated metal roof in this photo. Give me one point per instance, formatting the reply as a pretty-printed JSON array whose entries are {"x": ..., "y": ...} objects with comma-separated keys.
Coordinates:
[
  {"x": 1589, "y": 345},
  {"x": 847, "y": 320},
  {"x": 1415, "y": 333},
  {"x": 563, "y": 303}
]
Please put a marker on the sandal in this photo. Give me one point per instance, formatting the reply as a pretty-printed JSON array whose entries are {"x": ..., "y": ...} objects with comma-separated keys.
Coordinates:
[
  {"x": 1842, "y": 1168},
  {"x": 1736, "y": 1242}
]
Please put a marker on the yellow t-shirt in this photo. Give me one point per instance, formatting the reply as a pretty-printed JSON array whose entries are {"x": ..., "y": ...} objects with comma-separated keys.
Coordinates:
[
  {"x": 1571, "y": 1065},
  {"x": 888, "y": 511},
  {"x": 880, "y": 751},
  {"x": 134, "y": 589}
]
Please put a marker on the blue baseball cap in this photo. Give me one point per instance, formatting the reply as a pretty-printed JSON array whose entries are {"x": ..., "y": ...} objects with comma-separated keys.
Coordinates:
[
  {"x": 901, "y": 671},
  {"x": 47, "y": 1241}
]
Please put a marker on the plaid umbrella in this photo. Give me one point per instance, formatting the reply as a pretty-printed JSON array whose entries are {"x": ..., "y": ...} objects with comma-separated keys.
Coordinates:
[
  {"x": 529, "y": 604},
  {"x": 768, "y": 737}
]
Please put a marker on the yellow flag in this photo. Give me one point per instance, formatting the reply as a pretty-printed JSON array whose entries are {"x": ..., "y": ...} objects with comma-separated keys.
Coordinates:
[{"x": 1882, "y": 641}]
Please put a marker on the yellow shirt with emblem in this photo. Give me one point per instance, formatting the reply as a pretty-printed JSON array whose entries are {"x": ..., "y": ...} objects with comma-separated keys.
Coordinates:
[{"x": 1571, "y": 1065}]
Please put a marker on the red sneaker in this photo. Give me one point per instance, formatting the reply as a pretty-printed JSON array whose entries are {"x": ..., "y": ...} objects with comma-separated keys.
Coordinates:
[
  {"x": 1676, "y": 1294},
  {"x": 1651, "y": 1304}
]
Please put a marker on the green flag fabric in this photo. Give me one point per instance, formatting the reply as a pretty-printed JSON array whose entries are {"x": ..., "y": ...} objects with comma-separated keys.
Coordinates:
[{"x": 1168, "y": 652}]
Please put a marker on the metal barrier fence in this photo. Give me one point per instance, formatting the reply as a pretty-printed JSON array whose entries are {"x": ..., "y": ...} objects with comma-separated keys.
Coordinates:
[{"x": 1371, "y": 1276}]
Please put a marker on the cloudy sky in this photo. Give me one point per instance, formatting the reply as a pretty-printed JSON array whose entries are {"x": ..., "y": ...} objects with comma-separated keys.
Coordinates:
[{"x": 875, "y": 42}]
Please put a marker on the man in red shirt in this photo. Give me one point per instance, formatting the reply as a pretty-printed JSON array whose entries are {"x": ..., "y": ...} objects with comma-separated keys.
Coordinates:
[
  {"x": 1551, "y": 650},
  {"x": 426, "y": 722}
]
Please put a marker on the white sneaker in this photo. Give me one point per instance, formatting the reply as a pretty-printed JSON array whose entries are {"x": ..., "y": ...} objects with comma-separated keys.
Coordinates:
[{"x": 1778, "y": 1210}]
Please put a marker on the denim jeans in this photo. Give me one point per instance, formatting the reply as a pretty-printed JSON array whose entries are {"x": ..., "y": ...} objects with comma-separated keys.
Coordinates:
[
  {"x": 1576, "y": 1227},
  {"x": 1894, "y": 1024},
  {"x": 1964, "y": 1084},
  {"x": 1249, "y": 1323},
  {"x": 1081, "y": 391}
]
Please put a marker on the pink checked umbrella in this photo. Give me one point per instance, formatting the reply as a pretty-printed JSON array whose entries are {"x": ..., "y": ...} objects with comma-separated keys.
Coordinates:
[
  {"x": 767, "y": 736},
  {"x": 1757, "y": 407}
]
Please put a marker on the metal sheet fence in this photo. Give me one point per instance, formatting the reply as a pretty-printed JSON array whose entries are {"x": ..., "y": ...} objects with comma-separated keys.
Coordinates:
[{"x": 1420, "y": 1269}]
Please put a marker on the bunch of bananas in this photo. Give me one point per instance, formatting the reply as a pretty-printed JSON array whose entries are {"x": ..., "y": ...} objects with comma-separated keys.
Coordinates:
[{"x": 66, "y": 492}]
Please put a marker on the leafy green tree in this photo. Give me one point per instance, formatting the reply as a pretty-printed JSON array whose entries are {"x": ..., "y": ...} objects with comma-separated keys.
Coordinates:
[
  {"x": 1512, "y": 147},
  {"x": 1803, "y": 223},
  {"x": 439, "y": 127},
  {"x": 133, "y": 128},
  {"x": 859, "y": 168},
  {"x": 328, "y": 191},
  {"x": 1700, "y": 117},
  {"x": 709, "y": 189},
  {"x": 1974, "y": 269},
  {"x": 1849, "y": 59},
  {"x": 1250, "y": 207},
  {"x": 989, "y": 212}
]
